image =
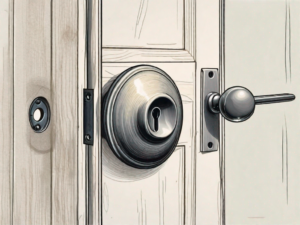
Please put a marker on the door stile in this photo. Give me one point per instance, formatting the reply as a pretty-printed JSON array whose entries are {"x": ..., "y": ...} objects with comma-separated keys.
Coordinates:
[{"x": 208, "y": 182}]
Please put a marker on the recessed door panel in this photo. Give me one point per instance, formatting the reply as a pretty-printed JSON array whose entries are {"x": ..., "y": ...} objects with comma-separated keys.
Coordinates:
[{"x": 143, "y": 23}]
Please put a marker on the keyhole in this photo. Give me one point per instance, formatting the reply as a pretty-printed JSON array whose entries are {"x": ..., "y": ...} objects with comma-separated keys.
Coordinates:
[{"x": 156, "y": 114}]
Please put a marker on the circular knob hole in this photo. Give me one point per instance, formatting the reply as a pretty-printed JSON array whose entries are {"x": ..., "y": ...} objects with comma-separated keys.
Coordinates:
[{"x": 38, "y": 114}]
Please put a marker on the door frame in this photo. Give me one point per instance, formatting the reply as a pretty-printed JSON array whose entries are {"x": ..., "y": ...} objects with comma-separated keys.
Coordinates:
[{"x": 90, "y": 64}]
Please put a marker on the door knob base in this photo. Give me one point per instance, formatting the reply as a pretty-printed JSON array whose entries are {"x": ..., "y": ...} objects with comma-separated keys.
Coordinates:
[{"x": 213, "y": 102}]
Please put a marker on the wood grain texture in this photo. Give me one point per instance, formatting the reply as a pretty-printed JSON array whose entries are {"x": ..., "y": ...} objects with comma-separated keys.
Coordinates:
[
  {"x": 143, "y": 24},
  {"x": 163, "y": 195},
  {"x": 32, "y": 78},
  {"x": 208, "y": 198},
  {"x": 65, "y": 108},
  {"x": 82, "y": 83},
  {"x": 114, "y": 55},
  {"x": 6, "y": 111}
]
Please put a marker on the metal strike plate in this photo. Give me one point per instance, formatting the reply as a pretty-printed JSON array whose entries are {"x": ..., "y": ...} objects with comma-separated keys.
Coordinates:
[
  {"x": 210, "y": 121},
  {"x": 88, "y": 116}
]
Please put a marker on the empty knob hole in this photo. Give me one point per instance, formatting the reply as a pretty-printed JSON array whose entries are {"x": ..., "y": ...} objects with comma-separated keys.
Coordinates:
[
  {"x": 155, "y": 115},
  {"x": 38, "y": 114}
]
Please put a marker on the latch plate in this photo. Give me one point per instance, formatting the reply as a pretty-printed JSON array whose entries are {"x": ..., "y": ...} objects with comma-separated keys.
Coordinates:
[
  {"x": 210, "y": 121},
  {"x": 88, "y": 116}
]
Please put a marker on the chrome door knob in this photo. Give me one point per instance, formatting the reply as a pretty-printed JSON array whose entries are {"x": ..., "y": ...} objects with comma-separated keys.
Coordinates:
[
  {"x": 142, "y": 116},
  {"x": 237, "y": 104}
]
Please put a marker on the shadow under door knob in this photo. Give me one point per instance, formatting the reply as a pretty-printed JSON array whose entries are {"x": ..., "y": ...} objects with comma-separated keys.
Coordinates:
[{"x": 237, "y": 104}]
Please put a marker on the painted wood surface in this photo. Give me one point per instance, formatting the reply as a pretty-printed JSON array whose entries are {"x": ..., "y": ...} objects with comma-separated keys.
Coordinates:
[
  {"x": 113, "y": 55},
  {"x": 143, "y": 24},
  {"x": 201, "y": 45},
  {"x": 6, "y": 111},
  {"x": 209, "y": 198},
  {"x": 262, "y": 53},
  {"x": 166, "y": 194}
]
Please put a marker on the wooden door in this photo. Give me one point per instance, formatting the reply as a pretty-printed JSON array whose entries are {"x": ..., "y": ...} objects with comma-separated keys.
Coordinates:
[
  {"x": 164, "y": 34},
  {"x": 42, "y": 177},
  {"x": 262, "y": 51}
]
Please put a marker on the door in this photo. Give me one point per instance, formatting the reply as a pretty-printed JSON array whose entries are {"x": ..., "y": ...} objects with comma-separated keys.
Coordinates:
[
  {"x": 162, "y": 35},
  {"x": 164, "y": 194},
  {"x": 261, "y": 47}
]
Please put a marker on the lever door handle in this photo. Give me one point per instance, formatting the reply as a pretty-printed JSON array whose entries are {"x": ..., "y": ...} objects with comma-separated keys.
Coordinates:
[{"x": 237, "y": 104}]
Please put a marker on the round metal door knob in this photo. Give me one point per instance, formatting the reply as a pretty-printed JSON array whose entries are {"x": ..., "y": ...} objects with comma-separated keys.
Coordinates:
[
  {"x": 237, "y": 104},
  {"x": 142, "y": 116}
]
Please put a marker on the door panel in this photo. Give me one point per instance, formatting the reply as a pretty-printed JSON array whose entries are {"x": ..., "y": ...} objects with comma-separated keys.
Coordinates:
[
  {"x": 262, "y": 168},
  {"x": 153, "y": 198},
  {"x": 163, "y": 195},
  {"x": 144, "y": 23}
]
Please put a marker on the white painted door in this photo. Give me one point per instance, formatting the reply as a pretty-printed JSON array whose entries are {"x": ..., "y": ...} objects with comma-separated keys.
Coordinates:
[
  {"x": 253, "y": 178},
  {"x": 262, "y": 52},
  {"x": 163, "y": 33}
]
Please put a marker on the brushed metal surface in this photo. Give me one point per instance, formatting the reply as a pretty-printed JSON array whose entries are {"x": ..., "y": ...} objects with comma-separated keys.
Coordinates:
[
  {"x": 237, "y": 104},
  {"x": 210, "y": 121},
  {"x": 127, "y": 124}
]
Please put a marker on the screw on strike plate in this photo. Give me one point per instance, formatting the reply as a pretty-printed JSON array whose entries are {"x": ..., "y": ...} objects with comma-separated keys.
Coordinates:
[
  {"x": 88, "y": 96},
  {"x": 211, "y": 74},
  {"x": 210, "y": 144},
  {"x": 87, "y": 137}
]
